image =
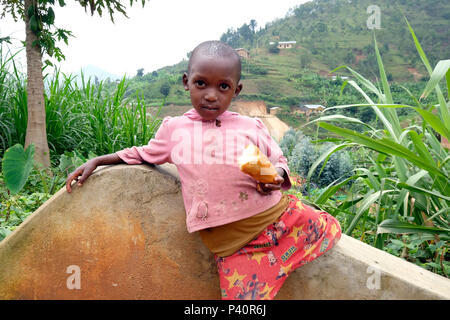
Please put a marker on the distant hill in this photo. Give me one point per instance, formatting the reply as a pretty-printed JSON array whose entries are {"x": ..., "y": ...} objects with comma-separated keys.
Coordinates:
[
  {"x": 328, "y": 34},
  {"x": 94, "y": 72}
]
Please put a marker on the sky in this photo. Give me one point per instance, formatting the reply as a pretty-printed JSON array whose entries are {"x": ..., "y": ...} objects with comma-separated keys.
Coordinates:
[{"x": 158, "y": 35}]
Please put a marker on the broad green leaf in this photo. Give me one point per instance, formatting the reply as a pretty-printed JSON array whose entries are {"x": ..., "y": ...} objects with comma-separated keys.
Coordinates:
[
  {"x": 420, "y": 190},
  {"x": 443, "y": 105},
  {"x": 439, "y": 72},
  {"x": 412, "y": 180},
  {"x": 435, "y": 122},
  {"x": 447, "y": 78},
  {"x": 65, "y": 163},
  {"x": 384, "y": 82},
  {"x": 419, "y": 49},
  {"x": 17, "y": 164},
  {"x": 420, "y": 147},
  {"x": 385, "y": 146},
  {"x": 369, "y": 199},
  {"x": 350, "y": 203},
  {"x": 369, "y": 85},
  {"x": 371, "y": 181},
  {"x": 395, "y": 226},
  {"x": 341, "y": 118},
  {"x": 331, "y": 190},
  {"x": 446, "y": 209}
]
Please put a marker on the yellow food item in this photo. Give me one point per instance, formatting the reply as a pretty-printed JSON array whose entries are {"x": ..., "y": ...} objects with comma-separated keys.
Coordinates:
[{"x": 254, "y": 163}]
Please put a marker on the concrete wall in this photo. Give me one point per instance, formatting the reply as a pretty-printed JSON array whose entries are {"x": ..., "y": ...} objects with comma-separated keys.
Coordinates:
[{"x": 123, "y": 233}]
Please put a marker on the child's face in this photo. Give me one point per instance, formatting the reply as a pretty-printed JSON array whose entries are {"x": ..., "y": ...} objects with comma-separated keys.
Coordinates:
[{"x": 212, "y": 84}]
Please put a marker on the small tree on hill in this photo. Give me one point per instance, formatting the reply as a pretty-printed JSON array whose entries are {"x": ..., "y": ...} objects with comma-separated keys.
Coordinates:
[
  {"x": 140, "y": 72},
  {"x": 165, "y": 89},
  {"x": 273, "y": 48}
]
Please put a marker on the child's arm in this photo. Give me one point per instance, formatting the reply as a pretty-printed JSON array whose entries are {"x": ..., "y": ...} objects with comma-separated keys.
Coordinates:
[
  {"x": 157, "y": 152},
  {"x": 87, "y": 168}
]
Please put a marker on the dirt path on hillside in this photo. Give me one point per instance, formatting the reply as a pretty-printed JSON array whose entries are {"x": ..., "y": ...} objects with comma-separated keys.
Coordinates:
[{"x": 415, "y": 73}]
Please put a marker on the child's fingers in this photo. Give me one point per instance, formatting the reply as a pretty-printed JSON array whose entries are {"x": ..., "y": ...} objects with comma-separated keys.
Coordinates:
[
  {"x": 274, "y": 186},
  {"x": 269, "y": 186},
  {"x": 84, "y": 176},
  {"x": 73, "y": 176},
  {"x": 260, "y": 188},
  {"x": 279, "y": 180}
]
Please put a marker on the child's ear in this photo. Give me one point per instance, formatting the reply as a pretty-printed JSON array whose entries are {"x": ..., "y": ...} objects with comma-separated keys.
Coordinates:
[
  {"x": 185, "y": 81},
  {"x": 238, "y": 89}
]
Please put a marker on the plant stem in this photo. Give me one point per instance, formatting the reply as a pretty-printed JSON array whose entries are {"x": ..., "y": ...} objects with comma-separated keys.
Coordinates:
[{"x": 44, "y": 182}]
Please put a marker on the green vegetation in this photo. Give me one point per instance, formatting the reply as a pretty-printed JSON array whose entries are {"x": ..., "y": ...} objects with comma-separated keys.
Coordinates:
[
  {"x": 41, "y": 37},
  {"x": 21, "y": 197},
  {"x": 400, "y": 196},
  {"x": 302, "y": 154},
  {"x": 87, "y": 118}
]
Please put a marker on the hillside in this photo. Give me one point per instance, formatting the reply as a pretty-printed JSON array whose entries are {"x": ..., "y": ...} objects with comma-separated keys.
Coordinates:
[{"x": 328, "y": 34}]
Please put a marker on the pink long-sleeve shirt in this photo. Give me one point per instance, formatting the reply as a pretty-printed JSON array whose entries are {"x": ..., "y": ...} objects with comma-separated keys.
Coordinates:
[{"x": 215, "y": 191}]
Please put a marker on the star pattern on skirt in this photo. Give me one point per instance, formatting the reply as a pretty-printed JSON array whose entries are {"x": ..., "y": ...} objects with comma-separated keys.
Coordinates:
[
  {"x": 266, "y": 291},
  {"x": 334, "y": 229},
  {"x": 296, "y": 232},
  {"x": 287, "y": 269},
  {"x": 311, "y": 249},
  {"x": 234, "y": 277},
  {"x": 258, "y": 256}
]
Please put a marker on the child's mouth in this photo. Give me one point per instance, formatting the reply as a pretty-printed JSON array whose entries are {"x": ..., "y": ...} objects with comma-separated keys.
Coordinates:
[{"x": 210, "y": 108}]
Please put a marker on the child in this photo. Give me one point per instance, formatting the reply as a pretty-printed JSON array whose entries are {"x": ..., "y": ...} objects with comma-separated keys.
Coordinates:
[{"x": 258, "y": 235}]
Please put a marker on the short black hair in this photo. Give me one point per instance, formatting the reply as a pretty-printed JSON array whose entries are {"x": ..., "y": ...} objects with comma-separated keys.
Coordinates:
[{"x": 216, "y": 49}]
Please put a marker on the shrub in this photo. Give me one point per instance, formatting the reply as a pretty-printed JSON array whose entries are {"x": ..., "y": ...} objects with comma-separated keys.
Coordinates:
[
  {"x": 274, "y": 49},
  {"x": 302, "y": 154}
]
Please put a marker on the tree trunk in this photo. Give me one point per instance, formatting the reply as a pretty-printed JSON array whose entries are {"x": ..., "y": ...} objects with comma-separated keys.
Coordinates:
[{"x": 36, "y": 127}]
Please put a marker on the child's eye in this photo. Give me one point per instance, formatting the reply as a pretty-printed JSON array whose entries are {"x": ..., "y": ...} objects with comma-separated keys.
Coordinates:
[
  {"x": 224, "y": 86},
  {"x": 200, "y": 83}
]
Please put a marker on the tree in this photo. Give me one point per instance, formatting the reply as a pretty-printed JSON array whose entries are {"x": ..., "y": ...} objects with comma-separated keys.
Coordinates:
[
  {"x": 253, "y": 25},
  {"x": 140, "y": 72},
  {"x": 41, "y": 36},
  {"x": 165, "y": 89},
  {"x": 273, "y": 48}
]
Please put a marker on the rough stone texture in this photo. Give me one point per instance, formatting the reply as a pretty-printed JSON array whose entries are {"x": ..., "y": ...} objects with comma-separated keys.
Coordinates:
[{"x": 125, "y": 229}]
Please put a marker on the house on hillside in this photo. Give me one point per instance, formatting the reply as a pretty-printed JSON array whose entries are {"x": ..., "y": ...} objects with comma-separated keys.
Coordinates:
[
  {"x": 244, "y": 53},
  {"x": 334, "y": 78},
  {"x": 273, "y": 111},
  {"x": 286, "y": 44},
  {"x": 308, "y": 109}
]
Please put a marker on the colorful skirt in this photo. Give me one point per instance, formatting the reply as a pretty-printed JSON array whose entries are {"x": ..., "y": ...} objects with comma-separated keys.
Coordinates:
[{"x": 259, "y": 269}]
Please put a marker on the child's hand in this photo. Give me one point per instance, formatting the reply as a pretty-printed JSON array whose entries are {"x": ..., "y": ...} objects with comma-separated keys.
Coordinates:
[
  {"x": 84, "y": 171},
  {"x": 267, "y": 188}
]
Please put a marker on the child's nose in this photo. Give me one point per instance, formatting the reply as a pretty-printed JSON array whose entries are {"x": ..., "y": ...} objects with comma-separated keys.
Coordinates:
[{"x": 211, "y": 95}]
